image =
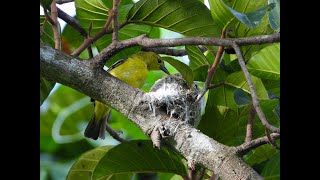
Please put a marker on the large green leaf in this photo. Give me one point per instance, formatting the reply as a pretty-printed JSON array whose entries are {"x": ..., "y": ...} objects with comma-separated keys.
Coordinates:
[
  {"x": 223, "y": 17},
  {"x": 272, "y": 86},
  {"x": 125, "y": 159},
  {"x": 274, "y": 15},
  {"x": 187, "y": 17},
  {"x": 271, "y": 171},
  {"x": 96, "y": 12},
  {"x": 266, "y": 63},
  {"x": 45, "y": 89},
  {"x": 183, "y": 69},
  {"x": 251, "y": 19},
  {"x": 238, "y": 80},
  {"x": 260, "y": 154}
]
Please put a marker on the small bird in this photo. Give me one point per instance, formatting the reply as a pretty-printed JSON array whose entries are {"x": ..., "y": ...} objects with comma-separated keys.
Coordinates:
[{"x": 133, "y": 71}]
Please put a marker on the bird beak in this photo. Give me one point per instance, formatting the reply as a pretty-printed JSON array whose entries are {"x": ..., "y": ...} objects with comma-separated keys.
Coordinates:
[{"x": 164, "y": 69}]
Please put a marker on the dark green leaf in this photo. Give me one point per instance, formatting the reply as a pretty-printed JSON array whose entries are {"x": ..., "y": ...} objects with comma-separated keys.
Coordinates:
[
  {"x": 183, "y": 69},
  {"x": 71, "y": 38},
  {"x": 251, "y": 19},
  {"x": 45, "y": 89},
  {"x": 272, "y": 168},
  {"x": 46, "y": 3},
  {"x": 238, "y": 80},
  {"x": 266, "y": 63},
  {"x": 85, "y": 165},
  {"x": 274, "y": 15},
  {"x": 272, "y": 86},
  {"x": 260, "y": 154},
  {"x": 125, "y": 159},
  {"x": 188, "y": 17}
]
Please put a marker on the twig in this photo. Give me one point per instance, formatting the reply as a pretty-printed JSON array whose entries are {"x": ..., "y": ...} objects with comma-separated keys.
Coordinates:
[
  {"x": 47, "y": 16},
  {"x": 101, "y": 33},
  {"x": 115, "y": 20},
  {"x": 246, "y": 147},
  {"x": 212, "y": 86},
  {"x": 146, "y": 42},
  {"x": 72, "y": 22},
  {"x": 255, "y": 100},
  {"x": 55, "y": 26},
  {"x": 171, "y": 52},
  {"x": 272, "y": 142},
  {"x": 202, "y": 173},
  {"x": 63, "y": 1},
  {"x": 212, "y": 69},
  {"x": 249, "y": 132},
  {"x": 115, "y": 134}
]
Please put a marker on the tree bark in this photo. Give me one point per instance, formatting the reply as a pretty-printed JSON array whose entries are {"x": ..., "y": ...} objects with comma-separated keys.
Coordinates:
[{"x": 195, "y": 146}]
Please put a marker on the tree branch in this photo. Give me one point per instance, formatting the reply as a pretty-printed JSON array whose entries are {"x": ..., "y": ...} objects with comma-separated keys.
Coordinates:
[
  {"x": 72, "y": 22},
  {"x": 146, "y": 42},
  {"x": 55, "y": 25},
  {"x": 255, "y": 100},
  {"x": 171, "y": 52},
  {"x": 247, "y": 146},
  {"x": 134, "y": 104}
]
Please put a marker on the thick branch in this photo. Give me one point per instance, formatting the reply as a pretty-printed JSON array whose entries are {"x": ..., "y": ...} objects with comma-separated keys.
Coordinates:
[
  {"x": 146, "y": 42},
  {"x": 247, "y": 146},
  {"x": 254, "y": 96},
  {"x": 134, "y": 104},
  {"x": 171, "y": 52}
]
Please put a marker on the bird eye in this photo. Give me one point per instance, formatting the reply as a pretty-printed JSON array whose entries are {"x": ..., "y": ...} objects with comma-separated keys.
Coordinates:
[{"x": 159, "y": 61}]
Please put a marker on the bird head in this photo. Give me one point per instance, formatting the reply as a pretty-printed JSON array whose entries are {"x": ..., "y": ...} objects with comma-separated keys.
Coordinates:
[{"x": 153, "y": 61}]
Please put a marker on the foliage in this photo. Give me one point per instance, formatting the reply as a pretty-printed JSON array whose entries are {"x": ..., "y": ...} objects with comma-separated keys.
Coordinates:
[{"x": 65, "y": 112}]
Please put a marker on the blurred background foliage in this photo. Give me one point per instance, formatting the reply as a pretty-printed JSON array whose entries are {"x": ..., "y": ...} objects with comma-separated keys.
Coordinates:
[{"x": 64, "y": 112}]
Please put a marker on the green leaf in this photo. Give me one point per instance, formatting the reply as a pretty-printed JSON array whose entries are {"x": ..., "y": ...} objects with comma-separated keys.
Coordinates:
[
  {"x": 187, "y": 17},
  {"x": 266, "y": 63},
  {"x": 272, "y": 86},
  {"x": 274, "y": 15},
  {"x": 45, "y": 89},
  {"x": 224, "y": 97},
  {"x": 126, "y": 158},
  {"x": 46, "y": 31},
  {"x": 238, "y": 80},
  {"x": 71, "y": 38},
  {"x": 46, "y": 3},
  {"x": 196, "y": 57},
  {"x": 251, "y": 19},
  {"x": 260, "y": 154},
  {"x": 272, "y": 168},
  {"x": 184, "y": 69},
  {"x": 85, "y": 165},
  {"x": 96, "y": 11},
  {"x": 223, "y": 17}
]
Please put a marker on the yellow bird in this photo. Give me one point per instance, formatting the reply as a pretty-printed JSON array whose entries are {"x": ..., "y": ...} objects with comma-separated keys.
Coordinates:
[{"x": 133, "y": 71}]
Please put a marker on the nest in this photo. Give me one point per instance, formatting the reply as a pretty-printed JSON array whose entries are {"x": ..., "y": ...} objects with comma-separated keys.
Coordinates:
[{"x": 173, "y": 95}]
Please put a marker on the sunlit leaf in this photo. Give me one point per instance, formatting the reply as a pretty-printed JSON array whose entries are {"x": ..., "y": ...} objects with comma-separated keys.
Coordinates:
[
  {"x": 266, "y": 63},
  {"x": 188, "y": 17},
  {"x": 183, "y": 69}
]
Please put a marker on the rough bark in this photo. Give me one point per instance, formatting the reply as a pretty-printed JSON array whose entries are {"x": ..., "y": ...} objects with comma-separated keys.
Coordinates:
[{"x": 133, "y": 103}]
